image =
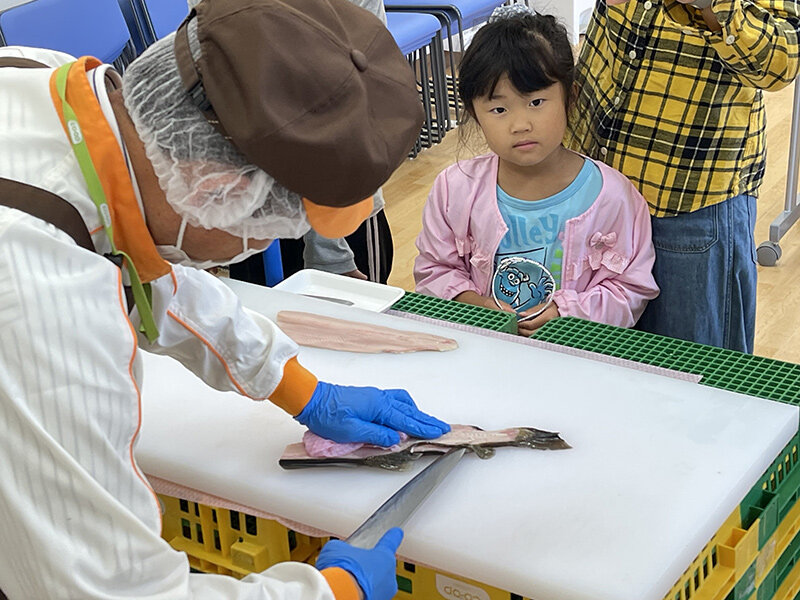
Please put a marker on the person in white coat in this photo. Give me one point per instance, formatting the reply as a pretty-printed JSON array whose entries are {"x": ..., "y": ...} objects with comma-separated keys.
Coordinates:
[{"x": 210, "y": 146}]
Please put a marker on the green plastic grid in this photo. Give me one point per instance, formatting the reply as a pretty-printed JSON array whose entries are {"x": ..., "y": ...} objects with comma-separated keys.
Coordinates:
[
  {"x": 720, "y": 368},
  {"x": 456, "y": 312}
]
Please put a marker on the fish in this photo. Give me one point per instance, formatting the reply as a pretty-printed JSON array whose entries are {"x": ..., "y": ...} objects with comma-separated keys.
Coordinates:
[
  {"x": 308, "y": 329},
  {"x": 317, "y": 452}
]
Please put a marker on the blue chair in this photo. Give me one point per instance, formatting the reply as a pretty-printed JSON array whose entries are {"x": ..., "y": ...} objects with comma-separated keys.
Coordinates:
[
  {"x": 264, "y": 268},
  {"x": 273, "y": 267},
  {"x": 162, "y": 17},
  {"x": 454, "y": 15},
  {"x": 79, "y": 27},
  {"x": 134, "y": 17},
  {"x": 419, "y": 37},
  {"x": 464, "y": 13}
]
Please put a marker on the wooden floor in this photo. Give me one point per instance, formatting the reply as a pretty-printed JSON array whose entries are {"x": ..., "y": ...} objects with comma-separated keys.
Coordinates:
[{"x": 778, "y": 316}]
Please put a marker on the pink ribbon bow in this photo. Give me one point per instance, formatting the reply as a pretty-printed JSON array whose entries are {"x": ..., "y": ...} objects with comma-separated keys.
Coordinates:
[
  {"x": 599, "y": 243},
  {"x": 599, "y": 240}
]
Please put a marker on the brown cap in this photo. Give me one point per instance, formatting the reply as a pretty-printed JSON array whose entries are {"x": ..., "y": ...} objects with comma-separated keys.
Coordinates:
[{"x": 314, "y": 92}]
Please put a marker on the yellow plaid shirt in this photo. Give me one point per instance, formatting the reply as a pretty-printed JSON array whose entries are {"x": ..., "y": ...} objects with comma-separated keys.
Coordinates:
[{"x": 677, "y": 107}]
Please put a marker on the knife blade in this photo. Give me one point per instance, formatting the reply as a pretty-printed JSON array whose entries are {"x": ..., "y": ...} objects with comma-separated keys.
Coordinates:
[
  {"x": 402, "y": 504},
  {"x": 329, "y": 299}
]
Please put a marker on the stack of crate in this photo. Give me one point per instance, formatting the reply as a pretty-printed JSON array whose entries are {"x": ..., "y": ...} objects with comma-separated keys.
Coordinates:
[
  {"x": 755, "y": 555},
  {"x": 229, "y": 542}
]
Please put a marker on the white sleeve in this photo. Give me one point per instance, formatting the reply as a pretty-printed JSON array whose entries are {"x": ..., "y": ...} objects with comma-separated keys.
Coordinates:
[
  {"x": 284, "y": 581},
  {"x": 51, "y": 58},
  {"x": 77, "y": 517},
  {"x": 202, "y": 324}
]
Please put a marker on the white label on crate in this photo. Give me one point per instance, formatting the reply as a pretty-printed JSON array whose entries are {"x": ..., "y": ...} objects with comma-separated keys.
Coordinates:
[
  {"x": 453, "y": 589},
  {"x": 765, "y": 558}
]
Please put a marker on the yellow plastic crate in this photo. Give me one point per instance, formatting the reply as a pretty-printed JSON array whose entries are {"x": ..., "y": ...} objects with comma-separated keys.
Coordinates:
[
  {"x": 790, "y": 588},
  {"x": 727, "y": 560},
  {"x": 723, "y": 562},
  {"x": 420, "y": 583},
  {"x": 778, "y": 543},
  {"x": 218, "y": 540}
]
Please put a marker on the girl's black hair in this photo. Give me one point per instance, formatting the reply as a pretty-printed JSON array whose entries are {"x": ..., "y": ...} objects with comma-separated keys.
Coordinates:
[{"x": 532, "y": 50}]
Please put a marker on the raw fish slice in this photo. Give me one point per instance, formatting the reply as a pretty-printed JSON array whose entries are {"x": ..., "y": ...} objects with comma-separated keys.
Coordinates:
[
  {"x": 336, "y": 334},
  {"x": 324, "y": 448},
  {"x": 400, "y": 456}
]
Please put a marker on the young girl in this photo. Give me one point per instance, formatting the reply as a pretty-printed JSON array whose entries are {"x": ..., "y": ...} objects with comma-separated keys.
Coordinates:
[{"x": 531, "y": 198}]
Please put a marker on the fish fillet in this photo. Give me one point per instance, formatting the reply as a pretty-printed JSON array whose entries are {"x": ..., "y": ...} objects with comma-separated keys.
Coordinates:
[
  {"x": 320, "y": 447},
  {"x": 336, "y": 334},
  {"x": 316, "y": 452}
]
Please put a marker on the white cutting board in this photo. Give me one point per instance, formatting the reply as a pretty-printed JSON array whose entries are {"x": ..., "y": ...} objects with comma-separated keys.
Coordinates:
[{"x": 657, "y": 465}]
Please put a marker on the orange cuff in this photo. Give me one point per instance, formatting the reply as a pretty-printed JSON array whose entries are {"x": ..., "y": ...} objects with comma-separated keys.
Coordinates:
[
  {"x": 295, "y": 389},
  {"x": 342, "y": 584},
  {"x": 337, "y": 221}
]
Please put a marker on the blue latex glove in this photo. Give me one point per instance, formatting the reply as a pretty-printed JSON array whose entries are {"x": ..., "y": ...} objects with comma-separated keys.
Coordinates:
[
  {"x": 374, "y": 570},
  {"x": 365, "y": 414}
]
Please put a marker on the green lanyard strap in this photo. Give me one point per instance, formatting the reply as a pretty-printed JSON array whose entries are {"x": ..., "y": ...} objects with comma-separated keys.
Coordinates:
[{"x": 142, "y": 294}]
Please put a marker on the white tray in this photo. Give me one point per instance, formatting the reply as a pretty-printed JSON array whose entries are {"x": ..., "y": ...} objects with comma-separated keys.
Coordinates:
[{"x": 363, "y": 294}]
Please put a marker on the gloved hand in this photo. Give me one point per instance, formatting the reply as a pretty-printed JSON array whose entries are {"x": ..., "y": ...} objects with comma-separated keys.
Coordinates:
[
  {"x": 366, "y": 414},
  {"x": 374, "y": 570}
]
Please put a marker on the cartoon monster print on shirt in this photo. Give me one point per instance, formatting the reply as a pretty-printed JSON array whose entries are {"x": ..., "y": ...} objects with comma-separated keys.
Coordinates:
[{"x": 522, "y": 283}]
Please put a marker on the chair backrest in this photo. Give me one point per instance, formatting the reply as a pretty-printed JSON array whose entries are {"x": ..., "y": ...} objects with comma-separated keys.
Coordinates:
[
  {"x": 137, "y": 24},
  {"x": 164, "y": 15},
  {"x": 412, "y": 31},
  {"x": 79, "y": 27}
]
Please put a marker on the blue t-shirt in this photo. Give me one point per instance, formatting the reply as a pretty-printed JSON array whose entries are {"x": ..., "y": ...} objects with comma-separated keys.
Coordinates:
[{"x": 534, "y": 226}]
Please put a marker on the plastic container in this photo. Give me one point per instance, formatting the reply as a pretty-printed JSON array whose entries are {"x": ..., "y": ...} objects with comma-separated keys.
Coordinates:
[
  {"x": 415, "y": 582},
  {"x": 359, "y": 293},
  {"x": 777, "y": 490},
  {"x": 790, "y": 588},
  {"x": 218, "y": 540},
  {"x": 725, "y": 564}
]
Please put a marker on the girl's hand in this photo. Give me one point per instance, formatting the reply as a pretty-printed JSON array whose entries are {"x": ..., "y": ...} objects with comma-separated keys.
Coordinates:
[
  {"x": 527, "y": 328},
  {"x": 490, "y": 303}
]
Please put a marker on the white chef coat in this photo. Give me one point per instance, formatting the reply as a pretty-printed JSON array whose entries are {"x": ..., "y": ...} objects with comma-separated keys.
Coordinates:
[{"x": 78, "y": 519}]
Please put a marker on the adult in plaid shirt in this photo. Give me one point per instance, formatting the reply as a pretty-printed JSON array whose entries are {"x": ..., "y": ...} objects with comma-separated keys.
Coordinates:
[{"x": 671, "y": 95}]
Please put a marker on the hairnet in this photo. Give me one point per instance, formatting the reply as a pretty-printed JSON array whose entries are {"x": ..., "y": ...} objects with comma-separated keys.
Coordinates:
[{"x": 207, "y": 181}]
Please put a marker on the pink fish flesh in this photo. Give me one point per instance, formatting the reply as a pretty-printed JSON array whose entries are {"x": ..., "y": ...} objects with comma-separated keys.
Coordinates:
[
  {"x": 320, "y": 447},
  {"x": 336, "y": 334},
  {"x": 400, "y": 456}
]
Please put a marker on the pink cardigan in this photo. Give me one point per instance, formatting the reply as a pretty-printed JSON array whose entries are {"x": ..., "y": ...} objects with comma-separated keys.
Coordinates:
[{"x": 608, "y": 252}]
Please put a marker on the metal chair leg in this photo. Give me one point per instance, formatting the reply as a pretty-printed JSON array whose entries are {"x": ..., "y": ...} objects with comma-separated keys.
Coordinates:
[
  {"x": 769, "y": 252},
  {"x": 427, "y": 140},
  {"x": 440, "y": 86}
]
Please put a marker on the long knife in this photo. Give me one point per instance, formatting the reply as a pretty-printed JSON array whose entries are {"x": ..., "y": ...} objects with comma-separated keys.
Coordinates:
[{"x": 402, "y": 504}]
